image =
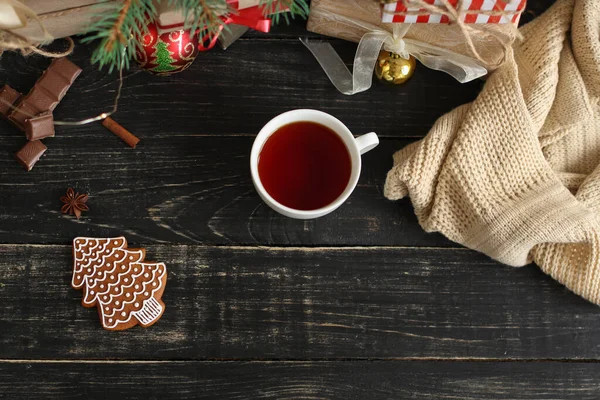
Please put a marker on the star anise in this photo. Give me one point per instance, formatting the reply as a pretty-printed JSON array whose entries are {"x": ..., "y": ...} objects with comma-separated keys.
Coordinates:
[{"x": 74, "y": 203}]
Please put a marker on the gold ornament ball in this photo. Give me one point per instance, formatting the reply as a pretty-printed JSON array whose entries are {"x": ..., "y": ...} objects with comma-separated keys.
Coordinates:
[{"x": 392, "y": 68}]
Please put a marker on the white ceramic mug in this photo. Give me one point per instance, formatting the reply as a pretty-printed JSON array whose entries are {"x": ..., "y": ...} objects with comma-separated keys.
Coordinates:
[{"x": 355, "y": 146}]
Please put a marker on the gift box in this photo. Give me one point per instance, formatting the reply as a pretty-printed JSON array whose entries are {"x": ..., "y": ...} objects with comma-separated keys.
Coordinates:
[
  {"x": 352, "y": 19},
  {"x": 235, "y": 31},
  {"x": 60, "y": 17},
  {"x": 169, "y": 16},
  {"x": 72, "y": 17},
  {"x": 471, "y": 12},
  {"x": 249, "y": 15},
  {"x": 438, "y": 46},
  {"x": 348, "y": 20}
]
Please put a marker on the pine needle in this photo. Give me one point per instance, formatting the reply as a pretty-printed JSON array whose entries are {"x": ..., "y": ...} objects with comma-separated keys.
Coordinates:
[
  {"x": 115, "y": 32},
  {"x": 286, "y": 8},
  {"x": 120, "y": 25},
  {"x": 203, "y": 15}
]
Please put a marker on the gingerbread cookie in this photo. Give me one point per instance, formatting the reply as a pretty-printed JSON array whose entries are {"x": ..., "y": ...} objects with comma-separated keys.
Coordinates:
[{"x": 126, "y": 290}]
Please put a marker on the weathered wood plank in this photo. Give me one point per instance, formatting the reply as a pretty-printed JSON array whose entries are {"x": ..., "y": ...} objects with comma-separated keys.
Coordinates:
[
  {"x": 183, "y": 189},
  {"x": 300, "y": 380},
  {"x": 237, "y": 91},
  {"x": 194, "y": 186},
  {"x": 236, "y": 302}
]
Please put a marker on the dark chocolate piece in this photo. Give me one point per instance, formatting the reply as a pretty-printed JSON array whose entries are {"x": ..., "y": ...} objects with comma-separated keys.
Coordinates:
[
  {"x": 30, "y": 154},
  {"x": 57, "y": 80},
  {"x": 66, "y": 68},
  {"x": 23, "y": 111},
  {"x": 54, "y": 83},
  {"x": 42, "y": 99},
  {"x": 39, "y": 127},
  {"x": 8, "y": 95},
  {"x": 47, "y": 92}
]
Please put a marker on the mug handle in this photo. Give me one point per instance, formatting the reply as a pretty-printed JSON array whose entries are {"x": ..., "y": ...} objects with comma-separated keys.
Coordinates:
[{"x": 367, "y": 142}]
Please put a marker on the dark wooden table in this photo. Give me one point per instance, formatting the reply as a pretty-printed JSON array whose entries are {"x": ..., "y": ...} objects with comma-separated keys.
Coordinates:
[{"x": 360, "y": 304}]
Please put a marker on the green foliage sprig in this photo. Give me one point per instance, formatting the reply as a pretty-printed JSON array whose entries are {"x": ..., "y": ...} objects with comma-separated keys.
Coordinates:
[
  {"x": 120, "y": 24},
  {"x": 276, "y": 9}
]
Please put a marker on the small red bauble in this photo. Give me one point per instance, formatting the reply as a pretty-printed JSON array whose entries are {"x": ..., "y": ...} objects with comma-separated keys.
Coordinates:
[{"x": 167, "y": 51}]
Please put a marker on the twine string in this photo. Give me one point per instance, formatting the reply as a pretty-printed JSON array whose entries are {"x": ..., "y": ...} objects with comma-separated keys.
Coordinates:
[{"x": 13, "y": 41}]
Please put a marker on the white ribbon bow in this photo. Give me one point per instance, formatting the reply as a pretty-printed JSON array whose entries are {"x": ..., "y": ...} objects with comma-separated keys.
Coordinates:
[{"x": 462, "y": 68}]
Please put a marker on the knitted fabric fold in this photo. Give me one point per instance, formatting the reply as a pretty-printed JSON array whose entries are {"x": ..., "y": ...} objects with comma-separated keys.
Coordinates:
[{"x": 516, "y": 173}]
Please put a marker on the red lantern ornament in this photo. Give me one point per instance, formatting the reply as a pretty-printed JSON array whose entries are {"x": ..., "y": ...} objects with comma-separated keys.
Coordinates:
[{"x": 167, "y": 50}]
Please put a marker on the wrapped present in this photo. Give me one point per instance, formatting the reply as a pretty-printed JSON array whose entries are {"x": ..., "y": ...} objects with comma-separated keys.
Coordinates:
[
  {"x": 442, "y": 47},
  {"x": 235, "y": 31},
  {"x": 64, "y": 18},
  {"x": 471, "y": 12},
  {"x": 170, "y": 16},
  {"x": 61, "y": 18},
  {"x": 249, "y": 15}
]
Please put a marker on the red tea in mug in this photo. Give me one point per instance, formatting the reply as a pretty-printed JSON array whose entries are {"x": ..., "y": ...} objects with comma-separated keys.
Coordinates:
[{"x": 304, "y": 165}]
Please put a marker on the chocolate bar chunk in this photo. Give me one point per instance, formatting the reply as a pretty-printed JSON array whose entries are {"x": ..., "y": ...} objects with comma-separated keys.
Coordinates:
[
  {"x": 39, "y": 127},
  {"x": 55, "y": 84},
  {"x": 66, "y": 68},
  {"x": 24, "y": 111},
  {"x": 42, "y": 99},
  {"x": 30, "y": 154},
  {"x": 47, "y": 92},
  {"x": 8, "y": 95}
]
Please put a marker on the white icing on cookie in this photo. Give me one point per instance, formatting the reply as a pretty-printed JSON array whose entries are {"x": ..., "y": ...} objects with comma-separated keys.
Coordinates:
[
  {"x": 117, "y": 280},
  {"x": 143, "y": 296}
]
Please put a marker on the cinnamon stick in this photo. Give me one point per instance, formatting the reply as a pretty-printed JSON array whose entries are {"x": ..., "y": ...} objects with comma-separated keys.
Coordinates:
[{"x": 121, "y": 132}]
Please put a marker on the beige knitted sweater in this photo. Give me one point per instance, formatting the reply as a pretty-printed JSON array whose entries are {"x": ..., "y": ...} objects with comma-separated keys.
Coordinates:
[{"x": 516, "y": 173}]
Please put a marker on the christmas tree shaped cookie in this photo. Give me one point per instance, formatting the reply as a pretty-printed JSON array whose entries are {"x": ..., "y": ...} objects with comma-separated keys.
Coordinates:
[{"x": 126, "y": 290}]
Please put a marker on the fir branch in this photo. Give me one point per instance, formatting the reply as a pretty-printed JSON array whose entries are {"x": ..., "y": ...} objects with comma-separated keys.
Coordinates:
[
  {"x": 203, "y": 15},
  {"x": 119, "y": 27},
  {"x": 115, "y": 32},
  {"x": 277, "y": 8}
]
